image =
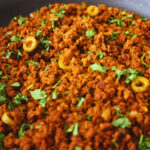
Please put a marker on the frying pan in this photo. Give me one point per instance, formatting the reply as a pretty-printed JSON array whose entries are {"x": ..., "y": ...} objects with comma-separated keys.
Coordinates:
[{"x": 11, "y": 8}]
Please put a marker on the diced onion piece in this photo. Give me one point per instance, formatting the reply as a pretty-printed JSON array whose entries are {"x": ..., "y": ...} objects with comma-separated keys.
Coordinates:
[
  {"x": 140, "y": 84},
  {"x": 7, "y": 120},
  {"x": 61, "y": 64},
  {"x": 30, "y": 44},
  {"x": 106, "y": 114},
  {"x": 92, "y": 10}
]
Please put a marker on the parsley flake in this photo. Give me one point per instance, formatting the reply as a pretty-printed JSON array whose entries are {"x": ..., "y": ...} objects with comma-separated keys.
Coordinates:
[
  {"x": 90, "y": 33},
  {"x": 15, "y": 84},
  {"x": 56, "y": 84},
  {"x": 74, "y": 129},
  {"x": 37, "y": 94},
  {"x": 98, "y": 67},
  {"x": 81, "y": 101},
  {"x": 24, "y": 127},
  {"x": 144, "y": 143}
]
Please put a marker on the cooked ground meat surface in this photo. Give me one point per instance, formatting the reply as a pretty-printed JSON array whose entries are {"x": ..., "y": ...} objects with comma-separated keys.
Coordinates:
[{"x": 75, "y": 77}]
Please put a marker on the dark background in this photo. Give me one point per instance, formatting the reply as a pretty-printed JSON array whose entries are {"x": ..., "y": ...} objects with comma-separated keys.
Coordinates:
[{"x": 11, "y": 8}]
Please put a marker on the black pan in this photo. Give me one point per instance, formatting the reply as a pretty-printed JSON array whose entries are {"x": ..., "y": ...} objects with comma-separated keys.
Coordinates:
[{"x": 11, "y": 8}]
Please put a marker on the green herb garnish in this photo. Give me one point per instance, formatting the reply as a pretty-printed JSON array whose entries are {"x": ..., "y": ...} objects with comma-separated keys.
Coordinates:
[
  {"x": 24, "y": 127},
  {"x": 81, "y": 101},
  {"x": 112, "y": 37},
  {"x": 78, "y": 148},
  {"x": 88, "y": 118},
  {"x": 30, "y": 86},
  {"x": 143, "y": 18},
  {"x": 46, "y": 69},
  {"x": 16, "y": 84},
  {"x": 90, "y": 33},
  {"x": 2, "y": 92},
  {"x": 89, "y": 52},
  {"x": 115, "y": 143},
  {"x": 144, "y": 143},
  {"x": 143, "y": 62},
  {"x": 2, "y": 137},
  {"x": 21, "y": 20},
  {"x": 99, "y": 55},
  {"x": 37, "y": 94},
  {"x": 61, "y": 13},
  {"x": 19, "y": 99},
  {"x": 98, "y": 67},
  {"x": 56, "y": 84},
  {"x": 55, "y": 93},
  {"x": 74, "y": 129},
  {"x": 15, "y": 38}
]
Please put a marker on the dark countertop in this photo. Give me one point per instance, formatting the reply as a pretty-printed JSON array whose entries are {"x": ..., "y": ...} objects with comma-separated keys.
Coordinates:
[{"x": 11, "y": 8}]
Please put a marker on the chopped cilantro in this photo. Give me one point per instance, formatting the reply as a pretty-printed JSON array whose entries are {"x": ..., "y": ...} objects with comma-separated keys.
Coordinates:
[
  {"x": 44, "y": 42},
  {"x": 53, "y": 11},
  {"x": 19, "y": 99},
  {"x": 118, "y": 72},
  {"x": 115, "y": 143},
  {"x": 99, "y": 55},
  {"x": 56, "y": 84},
  {"x": 38, "y": 33},
  {"x": 122, "y": 122},
  {"x": 81, "y": 101},
  {"x": 90, "y": 33},
  {"x": 67, "y": 92},
  {"x": 117, "y": 112},
  {"x": 43, "y": 23},
  {"x": 78, "y": 148},
  {"x": 54, "y": 23},
  {"x": 126, "y": 32},
  {"x": 89, "y": 52},
  {"x": 21, "y": 20},
  {"x": 143, "y": 62},
  {"x": 9, "y": 54},
  {"x": 74, "y": 129},
  {"x": 8, "y": 67},
  {"x": 144, "y": 143},
  {"x": 133, "y": 74},
  {"x": 15, "y": 18},
  {"x": 24, "y": 127},
  {"x": 61, "y": 13},
  {"x": 5, "y": 77},
  {"x": 43, "y": 102},
  {"x": 40, "y": 95},
  {"x": 2, "y": 92},
  {"x": 33, "y": 62},
  {"x": 19, "y": 54},
  {"x": 2, "y": 137},
  {"x": 46, "y": 69},
  {"x": 55, "y": 93},
  {"x": 118, "y": 22},
  {"x": 15, "y": 38},
  {"x": 98, "y": 67},
  {"x": 112, "y": 37},
  {"x": 143, "y": 18},
  {"x": 15, "y": 84},
  {"x": 88, "y": 118},
  {"x": 1, "y": 72},
  {"x": 10, "y": 105},
  {"x": 37, "y": 94},
  {"x": 30, "y": 87},
  {"x": 9, "y": 32},
  {"x": 54, "y": 61}
]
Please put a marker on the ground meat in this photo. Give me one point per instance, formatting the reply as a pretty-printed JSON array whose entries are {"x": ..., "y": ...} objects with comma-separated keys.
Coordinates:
[{"x": 82, "y": 104}]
